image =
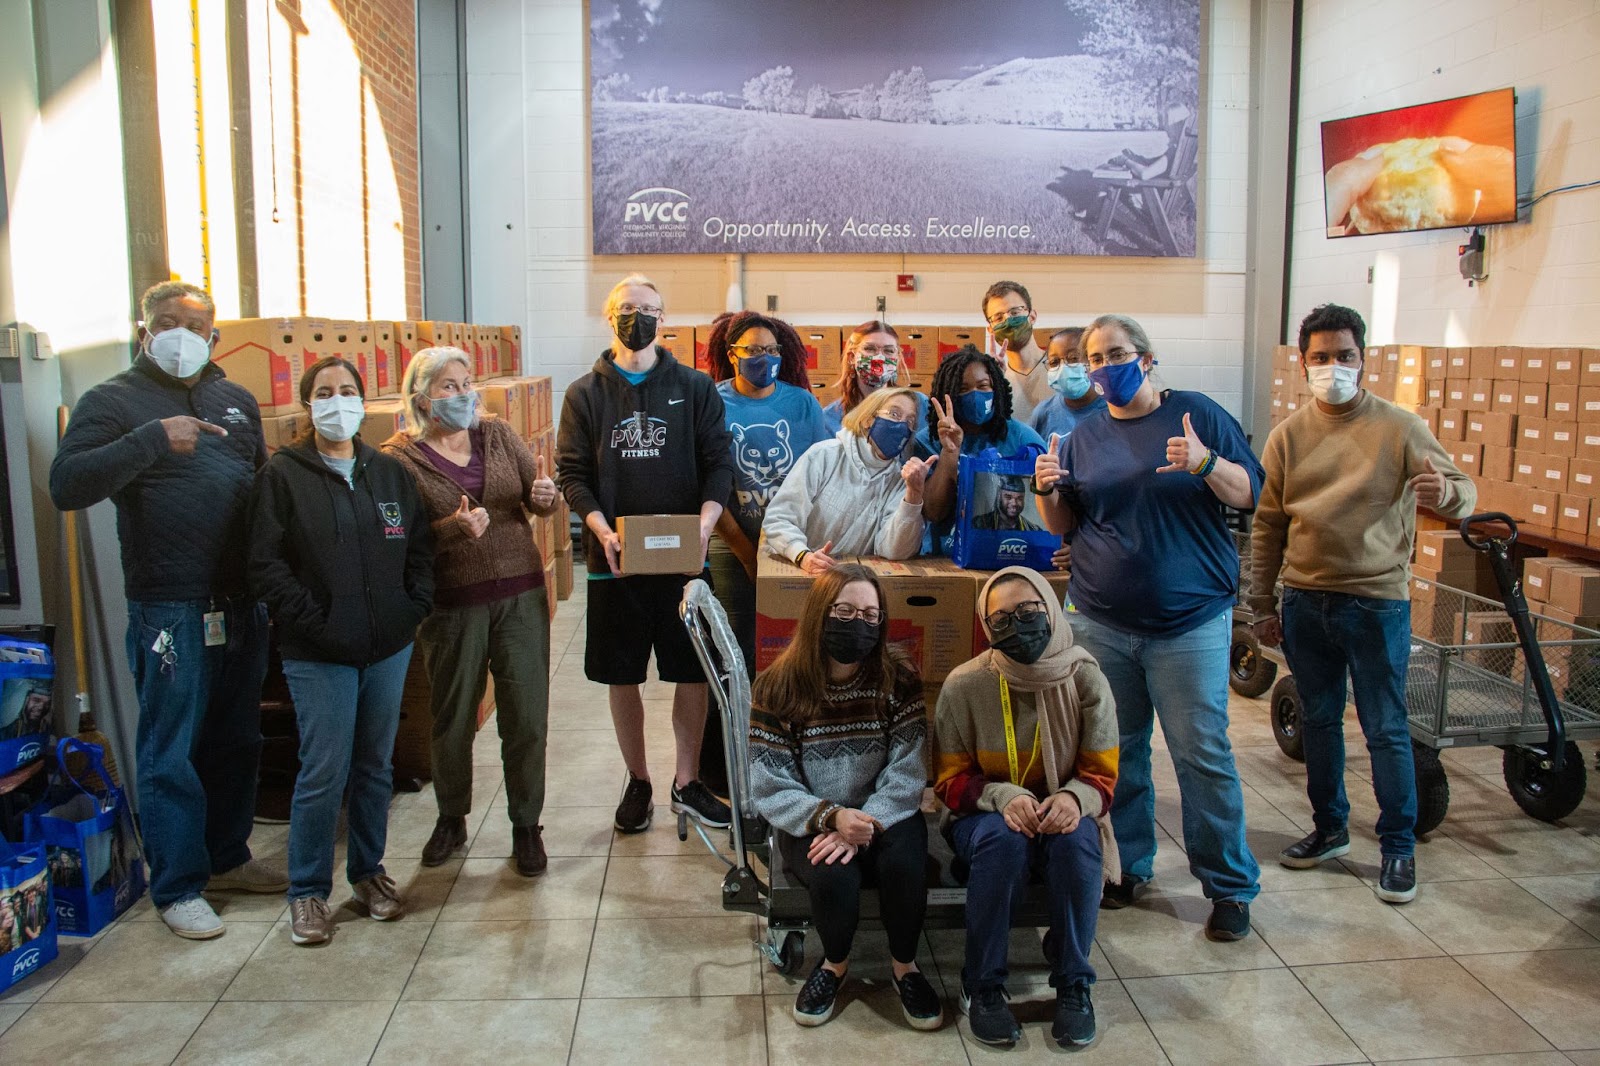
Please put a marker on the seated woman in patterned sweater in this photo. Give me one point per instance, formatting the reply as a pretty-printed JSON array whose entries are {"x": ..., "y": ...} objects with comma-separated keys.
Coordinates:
[{"x": 837, "y": 766}]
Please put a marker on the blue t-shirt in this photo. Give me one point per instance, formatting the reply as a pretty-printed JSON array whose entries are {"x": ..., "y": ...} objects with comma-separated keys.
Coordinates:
[
  {"x": 936, "y": 538},
  {"x": 1054, "y": 416},
  {"x": 768, "y": 436},
  {"x": 833, "y": 415},
  {"x": 1152, "y": 553}
]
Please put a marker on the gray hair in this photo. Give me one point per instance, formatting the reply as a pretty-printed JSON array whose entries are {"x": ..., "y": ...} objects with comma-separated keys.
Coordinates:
[
  {"x": 424, "y": 369},
  {"x": 162, "y": 291},
  {"x": 1135, "y": 332}
]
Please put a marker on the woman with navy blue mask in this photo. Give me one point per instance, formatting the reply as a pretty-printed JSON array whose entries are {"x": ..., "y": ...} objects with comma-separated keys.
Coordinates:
[
  {"x": 1073, "y": 396},
  {"x": 1154, "y": 580},
  {"x": 860, "y": 493}
]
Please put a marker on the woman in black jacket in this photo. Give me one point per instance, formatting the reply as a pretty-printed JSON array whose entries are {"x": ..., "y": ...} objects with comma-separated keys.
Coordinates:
[{"x": 342, "y": 555}]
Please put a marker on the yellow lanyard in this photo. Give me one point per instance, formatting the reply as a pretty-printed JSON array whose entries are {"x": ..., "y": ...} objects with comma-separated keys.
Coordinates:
[{"x": 1011, "y": 735}]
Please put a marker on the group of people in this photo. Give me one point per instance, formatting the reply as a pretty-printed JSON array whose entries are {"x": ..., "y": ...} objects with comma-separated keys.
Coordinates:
[{"x": 24, "y": 913}]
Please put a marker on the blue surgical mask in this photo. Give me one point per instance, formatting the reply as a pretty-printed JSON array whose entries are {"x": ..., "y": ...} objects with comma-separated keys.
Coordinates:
[
  {"x": 975, "y": 408},
  {"x": 1119, "y": 383},
  {"x": 760, "y": 370},
  {"x": 455, "y": 412},
  {"x": 1069, "y": 380},
  {"x": 889, "y": 436}
]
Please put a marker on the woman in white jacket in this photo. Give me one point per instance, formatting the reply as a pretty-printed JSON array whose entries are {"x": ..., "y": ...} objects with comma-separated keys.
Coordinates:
[{"x": 855, "y": 494}]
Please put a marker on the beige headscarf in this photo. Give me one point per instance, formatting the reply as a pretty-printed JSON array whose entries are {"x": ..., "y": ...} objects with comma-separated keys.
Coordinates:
[{"x": 1051, "y": 679}]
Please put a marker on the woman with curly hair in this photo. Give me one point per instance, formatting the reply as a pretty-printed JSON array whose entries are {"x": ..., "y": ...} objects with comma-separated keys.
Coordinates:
[{"x": 872, "y": 361}]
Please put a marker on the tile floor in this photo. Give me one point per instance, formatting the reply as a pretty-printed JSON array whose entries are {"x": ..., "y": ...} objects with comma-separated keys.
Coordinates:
[{"x": 621, "y": 953}]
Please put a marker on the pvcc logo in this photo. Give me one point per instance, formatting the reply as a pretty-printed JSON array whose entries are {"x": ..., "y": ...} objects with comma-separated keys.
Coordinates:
[
  {"x": 1012, "y": 549},
  {"x": 656, "y": 210},
  {"x": 28, "y": 752},
  {"x": 26, "y": 963}
]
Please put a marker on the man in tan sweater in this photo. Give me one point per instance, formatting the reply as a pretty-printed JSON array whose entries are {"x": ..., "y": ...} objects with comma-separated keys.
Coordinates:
[{"x": 1337, "y": 515}]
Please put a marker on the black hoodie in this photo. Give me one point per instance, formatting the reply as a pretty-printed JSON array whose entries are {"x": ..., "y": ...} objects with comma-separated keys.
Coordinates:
[
  {"x": 346, "y": 573},
  {"x": 659, "y": 447}
]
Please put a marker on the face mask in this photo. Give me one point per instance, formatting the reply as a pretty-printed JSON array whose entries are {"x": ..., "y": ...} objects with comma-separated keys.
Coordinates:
[
  {"x": 975, "y": 408},
  {"x": 1333, "y": 383},
  {"x": 1069, "y": 380},
  {"x": 1025, "y": 641},
  {"x": 338, "y": 417},
  {"x": 179, "y": 353},
  {"x": 1014, "y": 331},
  {"x": 636, "y": 330},
  {"x": 455, "y": 412},
  {"x": 761, "y": 370},
  {"x": 1120, "y": 382},
  {"x": 848, "y": 642},
  {"x": 875, "y": 373},
  {"x": 889, "y": 436}
]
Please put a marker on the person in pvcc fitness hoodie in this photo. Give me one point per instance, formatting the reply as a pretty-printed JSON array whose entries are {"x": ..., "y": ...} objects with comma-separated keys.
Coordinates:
[{"x": 643, "y": 434}]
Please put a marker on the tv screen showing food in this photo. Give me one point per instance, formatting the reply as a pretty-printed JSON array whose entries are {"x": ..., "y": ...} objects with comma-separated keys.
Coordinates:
[{"x": 1429, "y": 166}]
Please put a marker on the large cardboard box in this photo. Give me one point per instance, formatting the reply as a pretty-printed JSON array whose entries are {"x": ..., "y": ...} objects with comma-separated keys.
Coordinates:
[
  {"x": 1538, "y": 575},
  {"x": 1576, "y": 589},
  {"x": 266, "y": 356},
  {"x": 1491, "y": 627},
  {"x": 508, "y": 399},
  {"x": 1535, "y": 365},
  {"x": 679, "y": 340},
  {"x": 1445, "y": 550},
  {"x": 919, "y": 349},
  {"x": 510, "y": 350},
  {"x": 1583, "y": 478},
  {"x": 1561, "y": 438},
  {"x": 542, "y": 397},
  {"x": 431, "y": 334},
  {"x": 1498, "y": 428},
  {"x": 1531, "y": 434},
  {"x": 1452, "y": 424},
  {"x": 1468, "y": 458},
  {"x": 702, "y": 343},
  {"x": 1533, "y": 398},
  {"x": 405, "y": 346},
  {"x": 1508, "y": 362},
  {"x": 1561, "y": 401},
  {"x": 385, "y": 417},
  {"x": 822, "y": 347},
  {"x": 1482, "y": 362},
  {"x": 281, "y": 431},
  {"x": 1504, "y": 394},
  {"x": 953, "y": 337},
  {"x": 1572, "y": 516},
  {"x": 1434, "y": 616},
  {"x": 660, "y": 543},
  {"x": 386, "y": 360},
  {"x": 353, "y": 342},
  {"x": 1459, "y": 367},
  {"x": 1564, "y": 366},
  {"x": 1496, "y": 464},
  {"x": 489, "y": 344}
]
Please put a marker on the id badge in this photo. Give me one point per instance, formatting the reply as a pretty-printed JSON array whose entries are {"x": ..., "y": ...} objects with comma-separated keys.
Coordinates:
[{"x": 216, "y": 629}]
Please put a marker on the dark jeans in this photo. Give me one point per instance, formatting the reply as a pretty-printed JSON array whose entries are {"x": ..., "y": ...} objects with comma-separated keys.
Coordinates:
[
  {"x": 199, "y": 742},
  {"x": 897, "y": 861},
  {"x": 1002, "y": 862},
  {"x": 1325, "y": 635}
]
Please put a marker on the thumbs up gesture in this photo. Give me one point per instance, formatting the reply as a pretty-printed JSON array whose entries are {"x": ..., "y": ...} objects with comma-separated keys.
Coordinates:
[
  {"x": 543, "y": 494},
  {"x": 1429, "y": 486},
  {"x": 475, "y": 520},
  {"x": 1185, "y": 453},
  {"x": 1047, "y": 472}
]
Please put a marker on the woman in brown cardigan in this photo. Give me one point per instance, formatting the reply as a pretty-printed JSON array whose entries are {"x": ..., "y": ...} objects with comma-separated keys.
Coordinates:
[{"x": 479, "y": 482}]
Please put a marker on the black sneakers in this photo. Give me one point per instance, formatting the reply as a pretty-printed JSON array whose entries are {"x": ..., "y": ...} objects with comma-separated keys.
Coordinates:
[
  {"x": 1397, "y": 879},
  {"x": 990, "y": 1016},
  {"x": 633, "y": 813},
  {"x": 1074, "y": 1024},
  {"x": 1124, "y": 893},
  {"x": 814, "y": 1004},
  {"x": 448, "y": 835},
  {"x": 919, "y": 1002},
  {"x": 1317, "y": 847},
  {"x": 1230, "y": 920},
  {"x": 695, "y": 800}
]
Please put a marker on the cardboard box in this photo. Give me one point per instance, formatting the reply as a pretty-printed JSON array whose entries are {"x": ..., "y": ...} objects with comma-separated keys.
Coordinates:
[
  {"x": 1572, "y": 514},
  {"x": 953, "y": 337},
  {"x": 1434, "y": 616},
  {"x": 1459, "y": 364},
  {"x": 1410, "y": 388},
  {"x": 679, "y": 340},
  {"x": 1496, "y": 463},
  {"x": 1535, "y": 365},
  {"x": 1504, "y": 395},
  {"x": 1551, "y": 473},
  {"x": 1589, "y": 404},
  {"x": 1583, "y": 478},
  {"x": 1561, "y": 439},
  {"x": 1524, "y": 468},
  {"x": 1540, "y": 516},
  {"x": 1482, "y": 362},
  {"x": 507, "y": 399},
  {"x": 1508, "y": 362},
  {"x": 1498, "y": 428},
  {"x": 266, "y": 356},
  {"x": 1440, "y": 550},
  {"x": 541, "y": 413},
  {"x": 564, "y": 575},
  {"x": 487, "y": 339},
  {"x": 1491, "y": 627},
  {"x": 1475, "y": 578},
  {"x": 1455, "y": 393},
  {"x": 1576, "y": 589},
  {"x": 386, "y": 359},
  {"x": 405, "y": 346},
  {"x": 1375, "y": 382},
  {"x": 702, "y": 344},
  {"x": 1532, "y": 398},
  {"x": 919, "y": 348},
  {"x": 1452, "y": 424},
  {"x": 823, "y": 345},
  {"x": 1435, "y": 363},
  {"x": 1468, "y": 458},
  {"x": 1588, "y": 442},
  {"x": 1561, "y": 401},
  {"x": 1479, "y": 395},
  {"x": 1538, "y": 575},
  {"x": 281, "y": 431},
  {"x": 1564, "y": 366},
  {"x": 1588, "y": 366},
  {"x": 430, "y": 334},
  {"x": 1530, "y": 434},
  {"x": 660, "y": 543},
  {"x": 385, "y": 417},
  {"x": 1430, "y": 416}
]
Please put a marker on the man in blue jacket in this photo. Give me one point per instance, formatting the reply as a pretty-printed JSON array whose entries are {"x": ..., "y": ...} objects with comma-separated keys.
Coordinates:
[{"x": 175, "y": 446}]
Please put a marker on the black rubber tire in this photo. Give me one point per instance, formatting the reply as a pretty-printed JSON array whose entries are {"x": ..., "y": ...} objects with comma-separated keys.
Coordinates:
[
  {"x": 1249, "y": 672},
  {"x": 1545, "y": 795},
  {"x": 792, "y": 953},
  {"x": 1287, "y": 717},
  {"x": 1433, "y": 788}
]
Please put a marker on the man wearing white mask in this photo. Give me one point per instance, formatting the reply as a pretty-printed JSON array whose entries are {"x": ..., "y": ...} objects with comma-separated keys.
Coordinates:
[
  {"x": 1337, "y": 517},
  {"x": 175, "y": 446}
]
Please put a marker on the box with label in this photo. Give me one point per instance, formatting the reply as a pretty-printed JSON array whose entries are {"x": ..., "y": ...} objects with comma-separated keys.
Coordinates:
[
  {"x": 1576, "y": 589},
  {"x": 1572, "y": 515},
  {"x": 1459, "y": 364},
  {"x": 1532, "y": 398},
  {"x": 1561, "y": 401},
  {"x": 385, "y": 360},
  {"x": 405, "y": 346},
  {"x": 1504, "y": 395},
  {"x": 1588, "y": 442},
  {"x": 660, "y": 543},
  {"x": 1531, "y": 434},
  {"x": 352, "y": 342},
  {"x": 1524, "y": 468},
  {"x": 1564, "y": 369},
  {"x": 822, "y": 347},
  {"x": 931, "y": 614},
  {"x": 1583, "y": 478},
  {"x": 1588, "y": 366},
  {"x": 954, "y": 337},
  {"x": 1491, "y": 627},
  {"x": 1507, "y": 362},
  {"x": 1496, "y": 463},
  {"x": 488, "y": 338},
  {"x": 1498, "y": 428},
  {"x": 1540, "y": 516},
  {"x": 507, "y": 399},
  {"x": 1445, "y": 550},
  {"x": 1468, "y": 458},
  {"x": 1588, "y": 410},
  {"x": 1435, "y": 616},
  {"x": 1551, "y": 474},
  {"x": 1538, "y": 575},
  {"x": 1535, "y": 365},
  {"x": 1430, "y": 417},
  {"x": 511, "y": 350},
  {"x": 1452, "y": 424},
  {"x": 1410, "y": 389},
  {"x": 266, "y": 357},
  {"x": 385, "y": 417},
  {"x": 1561, "y": 438},
  {"x": 1479, "y": 395},
  {"x": 431, "y": 334},
  {"x": 919, "y": 348},
  {"x": 281, "y": 431}
]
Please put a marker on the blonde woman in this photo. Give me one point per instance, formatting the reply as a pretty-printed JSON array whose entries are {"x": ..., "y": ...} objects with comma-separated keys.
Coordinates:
[{"x": 479, "y": 482}]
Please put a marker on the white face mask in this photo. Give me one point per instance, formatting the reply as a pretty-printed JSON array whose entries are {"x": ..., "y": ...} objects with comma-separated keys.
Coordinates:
[
  {"x": 179, "y": 353},
  {"x": 338, "y": 417},
  {"x": 1333, "y": 383}
]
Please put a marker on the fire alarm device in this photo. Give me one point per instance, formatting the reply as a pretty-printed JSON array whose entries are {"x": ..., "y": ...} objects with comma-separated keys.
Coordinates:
[{"x": 906, "y": 282}]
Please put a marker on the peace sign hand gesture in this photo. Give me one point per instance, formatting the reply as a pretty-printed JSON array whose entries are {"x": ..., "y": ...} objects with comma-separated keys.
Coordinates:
[
  {"x": 950, "y": 435},
  {"x": 1185, "y": 453}
]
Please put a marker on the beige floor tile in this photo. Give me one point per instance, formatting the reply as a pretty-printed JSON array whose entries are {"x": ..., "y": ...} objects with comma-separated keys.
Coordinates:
[
  {"x": 1336, "y": 925},
  {"x": 1537, "y": 1058},
  {"x": 1121, "y": 1034},
  {"x": 578, "y": 712},
  {"x": 1263, "y": 1016},
  {"x": 424, "y": 889},
  {"x": 1162, "y": 936},
  {"x": 568, "y": 831},
  {"x": 660, "y": 886},
  {"x": 1024, "y": 958},
  {"x": 69, "y": 952},
  {"x": 93, "y": 1034},
  {"x": 479, "y": 1034},
  {"x": 1478, "y": 798},
  {"x": 1557, "y": 992},
  {"x": 490, "y": 890},
  {"x": 695, "y": 1031},
  {"x": 648, "y": 957},
  {"x": 409, "y": 829},
  {"x": 10, "y": 1013},
  {"x": 230, "y": 907},
  {"x": 365, "y": 960},
  {"x": 869, "y": 962},
  {"x": 1485, "y": 760},
  {"x": 1523, "y": 847},
  {"x": 503, "y": 960},
  {"x": 591, "y": 777},
  {"x": 287, "y": 1034},
  {"x": 662, "y": 838},
  {"x": 1275, "y": 877},
  {"x": 1438, "y": 859},
  {"x": 144, "y": 962},
  {"x": 1475, "y": 917},
  {"x": 867, "y": 1026},
  {"x": 1583, "y": 1058},
  {"x": 1418, "y": 1008},
  {"x": 1577, "y": 897}
]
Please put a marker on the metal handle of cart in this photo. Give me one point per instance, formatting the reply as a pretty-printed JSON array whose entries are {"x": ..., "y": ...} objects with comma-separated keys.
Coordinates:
[{"x": 1475, "y": 533}]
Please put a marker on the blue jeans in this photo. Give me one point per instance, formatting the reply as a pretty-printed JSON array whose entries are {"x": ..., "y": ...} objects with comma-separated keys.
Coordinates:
[
  {"x": 199, "y": 739},
  {"x": 1184, "y": 679},
  {"x": 1326, "y": 634},
  {"x": 1002, "y": 862}
]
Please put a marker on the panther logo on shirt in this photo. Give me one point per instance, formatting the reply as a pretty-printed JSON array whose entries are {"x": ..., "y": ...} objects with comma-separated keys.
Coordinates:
[
  {"x": 392, "y": 529},
  {"x": 639, "y": 436},
  {"x": 762, "y": 451}
]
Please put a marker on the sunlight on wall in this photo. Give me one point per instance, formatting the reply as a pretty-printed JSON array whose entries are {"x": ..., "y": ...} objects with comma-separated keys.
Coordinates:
[
  {"x": 386, "y": 245},
  {"x": 1385, "y": 298}
]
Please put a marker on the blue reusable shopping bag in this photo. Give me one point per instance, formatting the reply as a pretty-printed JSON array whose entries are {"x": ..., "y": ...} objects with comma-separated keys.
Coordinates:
[
  {"x": 997, "y": 520},
  {"x": 27, "y": 678},
  {"x": 27, "y": 921}
]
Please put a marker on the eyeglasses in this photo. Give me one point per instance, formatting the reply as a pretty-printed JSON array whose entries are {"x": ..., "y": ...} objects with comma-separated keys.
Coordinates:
[
  {"x": 1024, "y": 612},
  {"x": 628, "y": 309},
  {"x": 847, "y": 612},
  {"x": 751, "y": 351},
  {"x": 873, "y": 351},
  {"x": 1010, "y": 312},
  {"x": 1115, "y": 357}
]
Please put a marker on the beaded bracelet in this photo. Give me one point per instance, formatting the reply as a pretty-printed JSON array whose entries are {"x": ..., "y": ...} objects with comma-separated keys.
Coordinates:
[{"x": 1208, "y": 464}]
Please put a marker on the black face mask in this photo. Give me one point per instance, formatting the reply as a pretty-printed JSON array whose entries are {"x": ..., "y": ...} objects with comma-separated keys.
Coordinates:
[
  {"x": 848, "y": 642},
  {"x": 636, "y": 330},
  {"x": 1025, "y": 641}
]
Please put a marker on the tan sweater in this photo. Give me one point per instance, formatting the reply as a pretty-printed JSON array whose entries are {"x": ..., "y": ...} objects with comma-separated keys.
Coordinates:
[{"x": 1336, "y": 512}]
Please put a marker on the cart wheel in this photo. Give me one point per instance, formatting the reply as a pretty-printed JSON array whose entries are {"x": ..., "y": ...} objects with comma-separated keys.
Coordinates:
[
  {"x": 1287, "y": 714},
  {"x": 1249, "y": 672},
  {"x": 792, "y": 955},
  {"x": 1543, "y": 794},
  {"x": 1433, "y": 788}
]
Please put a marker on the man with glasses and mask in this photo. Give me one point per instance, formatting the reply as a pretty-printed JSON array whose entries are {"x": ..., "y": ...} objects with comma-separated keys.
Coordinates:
[
  {"x": 1008, "y": 311},
  {"x": 643, "y": 434},
  {"x": 872, "y": 361},
  {"x": 175, "y": 446}
]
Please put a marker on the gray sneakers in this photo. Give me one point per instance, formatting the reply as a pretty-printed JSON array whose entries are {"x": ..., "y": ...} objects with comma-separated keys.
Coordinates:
[
  {"x": 310, "y": 921},
  {"x": 381, "y": 898},
  {"x": 193, "y": 919},
  {"x": 250, "y": 876}
]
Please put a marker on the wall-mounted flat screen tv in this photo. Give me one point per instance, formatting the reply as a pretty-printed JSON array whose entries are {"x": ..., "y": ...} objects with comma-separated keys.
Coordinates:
[{"x": 1429, "y": 166}]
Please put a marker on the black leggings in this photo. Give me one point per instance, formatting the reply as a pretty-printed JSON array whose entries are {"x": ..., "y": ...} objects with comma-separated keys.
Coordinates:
[{"x": 897, "y": 861}]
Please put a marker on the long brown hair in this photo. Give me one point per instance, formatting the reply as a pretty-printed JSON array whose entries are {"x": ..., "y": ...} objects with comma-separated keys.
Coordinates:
[{"x": 795, "y": 686}]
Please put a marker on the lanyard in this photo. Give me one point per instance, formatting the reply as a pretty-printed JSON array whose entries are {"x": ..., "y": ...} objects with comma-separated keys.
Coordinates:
[{"x": 1011, "y": 735}]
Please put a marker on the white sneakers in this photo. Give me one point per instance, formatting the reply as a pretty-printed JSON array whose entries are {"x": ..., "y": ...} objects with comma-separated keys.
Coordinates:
[
  {"x": 250, "y": 876},
  {"x": 193, "y": 919}
]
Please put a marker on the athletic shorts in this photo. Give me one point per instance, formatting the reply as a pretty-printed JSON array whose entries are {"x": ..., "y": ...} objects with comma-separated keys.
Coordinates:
[{"x": 628, "y": 618}]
